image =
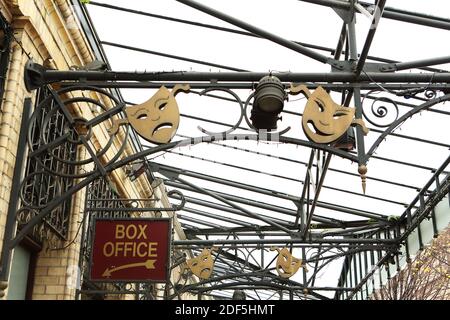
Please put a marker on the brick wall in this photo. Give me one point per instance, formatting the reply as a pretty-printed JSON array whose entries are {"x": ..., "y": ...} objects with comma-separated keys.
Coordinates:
[{"x": 48, "y": 31}]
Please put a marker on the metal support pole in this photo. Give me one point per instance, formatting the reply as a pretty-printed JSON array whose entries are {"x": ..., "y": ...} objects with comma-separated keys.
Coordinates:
[
  {"x": 300, "y": 210},
  {"x": 356, "y": 93},
  {"x": 316, "y": 195},
  {"x": 370, "y": 36},
  {"x": 14, "y": 200}
]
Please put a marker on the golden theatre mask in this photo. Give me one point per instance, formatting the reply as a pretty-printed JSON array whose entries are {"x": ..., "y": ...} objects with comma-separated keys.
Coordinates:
[
  {"x": 324, "y": 121},
  {"x": 287, "y": 265},
  {"x": 157, "y": 119},
  {"x": 202, "y": 265}
]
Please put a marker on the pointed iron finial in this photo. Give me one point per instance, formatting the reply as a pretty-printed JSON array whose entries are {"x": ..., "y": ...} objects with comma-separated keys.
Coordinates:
[{"x": 362, "y": 170}]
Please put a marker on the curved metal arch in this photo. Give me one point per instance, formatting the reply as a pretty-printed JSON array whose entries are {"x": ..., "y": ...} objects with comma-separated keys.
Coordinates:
[
  {"x": 55, "y": 96},
  {"x": 400, "y": 121}
]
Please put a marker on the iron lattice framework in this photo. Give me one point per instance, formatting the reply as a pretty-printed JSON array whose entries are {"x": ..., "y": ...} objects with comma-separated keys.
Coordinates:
[{"x": 244, "y": 229}]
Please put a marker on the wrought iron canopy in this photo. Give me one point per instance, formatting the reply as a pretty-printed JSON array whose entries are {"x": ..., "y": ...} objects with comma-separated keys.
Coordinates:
[{"x": 247, "y": 191}]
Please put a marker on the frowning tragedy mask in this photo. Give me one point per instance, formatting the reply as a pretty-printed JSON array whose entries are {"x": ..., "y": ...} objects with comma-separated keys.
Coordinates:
[
  {"x": 202, "y": 265},
  {"x": 287, "y": 265},
  {"x": 157, "y": 119},
  {"x": 324, "y": 121}
]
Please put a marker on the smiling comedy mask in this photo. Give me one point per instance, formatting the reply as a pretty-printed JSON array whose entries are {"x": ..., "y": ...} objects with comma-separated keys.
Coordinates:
[
  {"x": 202, "y": 265},
  {"x": 157, "y": 119},
  {"x": 287, "y": 265},
  {"x": 324, "y": 121}
]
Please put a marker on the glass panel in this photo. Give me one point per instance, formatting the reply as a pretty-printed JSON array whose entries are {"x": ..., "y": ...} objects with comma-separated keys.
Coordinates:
[{"x": 19, "y": 274}]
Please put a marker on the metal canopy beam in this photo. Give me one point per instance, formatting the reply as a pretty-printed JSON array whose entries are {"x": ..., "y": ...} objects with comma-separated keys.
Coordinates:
[
  {"x": 251, "y": 85},
  {"x": 416, "y": 64},
  {"x": 269, "y": 192},
  {"x": 290, "y": 212},
  {"x": 320, "y": 181},
  {"x": 260, "y": 32},
  {"x": 233, "y": 205},
  {"x": 213, "y": 205},
  {"x": 372, "y": 239},
  {"x": 244, "y": 33},
  {"x": 211, "y": 243},
  {"x": 373, "y": 28},
  {"x": 391, "y": 13},
  {"x": 331, "y": 169},
  {"x": 49, "y": 76}
]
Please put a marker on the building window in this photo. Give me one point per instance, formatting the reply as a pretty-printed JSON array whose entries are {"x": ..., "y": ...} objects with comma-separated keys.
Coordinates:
[{"x": 21, "y": 278}]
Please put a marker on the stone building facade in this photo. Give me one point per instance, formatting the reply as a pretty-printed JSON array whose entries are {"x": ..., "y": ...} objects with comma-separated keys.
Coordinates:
[{"x": 49, "y": 32}]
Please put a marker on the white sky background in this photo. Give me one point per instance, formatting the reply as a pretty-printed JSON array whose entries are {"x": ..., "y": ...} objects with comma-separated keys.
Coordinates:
[{"x": 293, "y": 20}]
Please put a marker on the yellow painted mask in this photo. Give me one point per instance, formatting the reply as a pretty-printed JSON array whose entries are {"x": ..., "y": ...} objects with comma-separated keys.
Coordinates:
[
  {"x": 202, "y": 265},
  {"x": 324, "y": 121},
  {"x": 287, "y": 265},
  {"x": 157, "y": 119}
]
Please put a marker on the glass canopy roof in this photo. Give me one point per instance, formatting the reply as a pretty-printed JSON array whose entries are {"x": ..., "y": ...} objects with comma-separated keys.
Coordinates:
[{"x": 268, "y": 178}]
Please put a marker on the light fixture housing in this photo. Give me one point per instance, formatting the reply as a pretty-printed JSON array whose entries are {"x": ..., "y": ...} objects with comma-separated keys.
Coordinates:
[
  {"x": 239, "y": 295},
  {"x": 268, "y": 103},
  {"x": 347, "y": 141}
]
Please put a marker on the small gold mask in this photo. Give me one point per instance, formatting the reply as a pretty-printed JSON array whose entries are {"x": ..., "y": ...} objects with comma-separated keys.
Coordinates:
[
  {"x": 202, "y": 265},
  {"x": 324, "y": 121},
  {"x": 157, "y": 119},
  {"x": 287, "y": 265}
]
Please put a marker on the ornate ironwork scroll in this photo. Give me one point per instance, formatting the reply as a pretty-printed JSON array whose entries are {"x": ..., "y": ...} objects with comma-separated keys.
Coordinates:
[{"x": 41, "y": 183}]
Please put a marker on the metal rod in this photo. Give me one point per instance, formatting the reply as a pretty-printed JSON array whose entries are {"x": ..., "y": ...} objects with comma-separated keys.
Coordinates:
[
  {"x": 427, "y": 186},
  {"x": 300, "y": 212},
  {"x": 369, "y": 274},
  {"x": 262, "y": 33},
  {"x": 331, "y": 169},
  {"x": 341, "y": 41},
  {"x": 171, "y": 56},
  {"x": 219, "y": 217},
  {"x": 281, "y": 241},
  {"x": 233, "y": 205},
  {"x": 373, "y": 28},
  {"x": 316, "y": 194},
  {"x": 251, "y": 85},
  {"x": 13, "y": 205},
  {"x": 356, "y": 91},
  {"x": 239, "y": 32},
  {"x": 260, "y": 190},
  {"x": 391, "y": 13},
  {"x": 213, "y": 205},
  {"x": 139, "y": 155},
  {"x": 183, "y": 76},
  {"x": 417, "y": 64},
  {"x": 262, "y": 205},
  {"x": 402, "y": 119}
]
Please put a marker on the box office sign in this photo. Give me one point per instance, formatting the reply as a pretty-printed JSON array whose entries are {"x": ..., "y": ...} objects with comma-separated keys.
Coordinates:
[{"x": 131, "y": 250}]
